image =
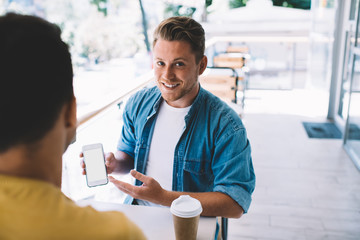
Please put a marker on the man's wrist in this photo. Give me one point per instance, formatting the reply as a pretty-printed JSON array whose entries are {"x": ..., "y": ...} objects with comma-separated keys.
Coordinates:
[{"x": 168, "y": 197}]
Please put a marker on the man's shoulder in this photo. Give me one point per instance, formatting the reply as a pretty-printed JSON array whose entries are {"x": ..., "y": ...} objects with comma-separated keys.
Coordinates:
[
  {"x": 224, "y": 114},
  {"x": 148, "y": 92},
  {"x": 54, "y": 211},
  {"x": 217, "y": 105}
]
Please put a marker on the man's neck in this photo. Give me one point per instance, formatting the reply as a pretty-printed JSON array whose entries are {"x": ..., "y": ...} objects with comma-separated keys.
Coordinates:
[{"x": 34, "y": 163}]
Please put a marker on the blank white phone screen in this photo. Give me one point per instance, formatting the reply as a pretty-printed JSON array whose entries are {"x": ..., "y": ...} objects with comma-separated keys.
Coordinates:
[{"x": 95, "y": 165}]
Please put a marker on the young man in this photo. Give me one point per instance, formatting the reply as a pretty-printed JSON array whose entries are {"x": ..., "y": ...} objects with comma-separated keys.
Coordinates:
[
  {"x": 180, "y": 138},
  {"x": 37, "y": 123}
]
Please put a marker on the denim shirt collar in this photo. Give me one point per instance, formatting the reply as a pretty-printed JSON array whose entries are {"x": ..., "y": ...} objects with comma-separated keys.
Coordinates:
[
  {"x": 195, "y": 105},
  {"x": 157, "y": 103}
]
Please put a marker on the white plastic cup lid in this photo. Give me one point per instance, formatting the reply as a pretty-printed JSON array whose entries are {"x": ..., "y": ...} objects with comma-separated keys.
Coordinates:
[{"x": 186, "y": 207}]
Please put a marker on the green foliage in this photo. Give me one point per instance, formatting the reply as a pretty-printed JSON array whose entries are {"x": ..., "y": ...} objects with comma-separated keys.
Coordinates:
[
  {"x": 101, "y": 5},
  {"x": 302, "y": 4},
  {"x": 208, "y": 2},
  {"x": 178, "y": 10},
  {"x": 237, "y": 3},
  {"x": 330, "y": 3}
]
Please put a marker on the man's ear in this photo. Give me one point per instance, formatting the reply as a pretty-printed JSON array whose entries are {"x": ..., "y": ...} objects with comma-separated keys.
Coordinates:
[
  {"x": 70, "y": 114},
  {"x": 70, "y": 122},
  {"x": 203, "y": 64}
]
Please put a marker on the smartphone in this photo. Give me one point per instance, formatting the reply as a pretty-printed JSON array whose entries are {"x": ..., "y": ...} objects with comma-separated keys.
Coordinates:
[{"x": 94, "y": 159}]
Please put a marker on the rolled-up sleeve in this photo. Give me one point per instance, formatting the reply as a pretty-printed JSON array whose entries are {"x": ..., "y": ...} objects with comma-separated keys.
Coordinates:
[{"x": 233, "y": 169}]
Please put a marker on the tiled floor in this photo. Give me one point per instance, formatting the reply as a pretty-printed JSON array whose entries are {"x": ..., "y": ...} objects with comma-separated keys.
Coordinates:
[{"x": 306, "y": 188}]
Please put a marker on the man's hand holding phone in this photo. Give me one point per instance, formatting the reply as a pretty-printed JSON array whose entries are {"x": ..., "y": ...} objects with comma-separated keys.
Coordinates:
[
  {"x": 114, "y": 163},
  {"x": 110, "y": 163},
  {"x": 93, "y": 164}
]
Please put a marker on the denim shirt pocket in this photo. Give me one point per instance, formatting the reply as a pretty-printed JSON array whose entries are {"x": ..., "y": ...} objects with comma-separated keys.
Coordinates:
[
  {"x": 197, "y": 166},
  {"x": 198, "y": 176}
]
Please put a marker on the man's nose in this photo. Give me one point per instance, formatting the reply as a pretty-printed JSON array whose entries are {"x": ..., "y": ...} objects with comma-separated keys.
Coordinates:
[{"x": 168, "y": 73}]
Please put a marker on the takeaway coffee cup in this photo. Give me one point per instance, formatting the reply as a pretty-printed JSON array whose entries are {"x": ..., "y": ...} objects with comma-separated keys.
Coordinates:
[{"x": 186, "y": 213}]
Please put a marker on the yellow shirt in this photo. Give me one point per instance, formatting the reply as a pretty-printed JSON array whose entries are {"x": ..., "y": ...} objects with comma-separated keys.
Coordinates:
[{"x": 32, "y": 209}]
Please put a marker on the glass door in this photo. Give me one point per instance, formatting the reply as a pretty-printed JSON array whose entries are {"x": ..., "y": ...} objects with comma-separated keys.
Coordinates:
[
  {"x": 349, "y": 43},
  {"x": 352, "y": 130},
  {"x": 346, "y": 72}
]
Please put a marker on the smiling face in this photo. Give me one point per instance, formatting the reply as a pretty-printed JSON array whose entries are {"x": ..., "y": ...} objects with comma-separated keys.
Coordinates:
[{"x": 176, "y": 72}]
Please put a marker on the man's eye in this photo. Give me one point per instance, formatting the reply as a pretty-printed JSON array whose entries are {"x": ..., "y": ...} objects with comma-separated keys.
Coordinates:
[
  {"x": 179, "y": 64},
  {"x": 160, "y": 63}
]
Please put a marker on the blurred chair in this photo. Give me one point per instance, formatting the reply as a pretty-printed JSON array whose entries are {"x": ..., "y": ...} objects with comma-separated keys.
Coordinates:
[
  {"x": 223, "y": 82},
  {"x": 222, "y": 228},
  {"x": 237, "y": 58},
  {"x": 238, "y": 49},
  {"x": 232, "y": 60}
]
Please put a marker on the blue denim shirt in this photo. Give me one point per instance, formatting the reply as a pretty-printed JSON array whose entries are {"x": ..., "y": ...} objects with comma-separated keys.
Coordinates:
[{"x": 212, "y": 155}]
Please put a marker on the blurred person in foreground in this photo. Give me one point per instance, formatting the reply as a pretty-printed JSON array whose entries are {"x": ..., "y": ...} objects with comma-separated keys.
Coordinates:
[
  {"x": 37, "y": 123},
  {"x": 180, "y": 138}
]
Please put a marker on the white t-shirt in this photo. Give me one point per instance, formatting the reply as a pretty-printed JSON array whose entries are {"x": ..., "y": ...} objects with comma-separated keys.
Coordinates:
[{"x": 168, "y": 129}]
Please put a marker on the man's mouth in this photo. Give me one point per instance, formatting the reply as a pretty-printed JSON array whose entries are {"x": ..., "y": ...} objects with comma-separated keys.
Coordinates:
[{"x": 170, "y": 85}]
